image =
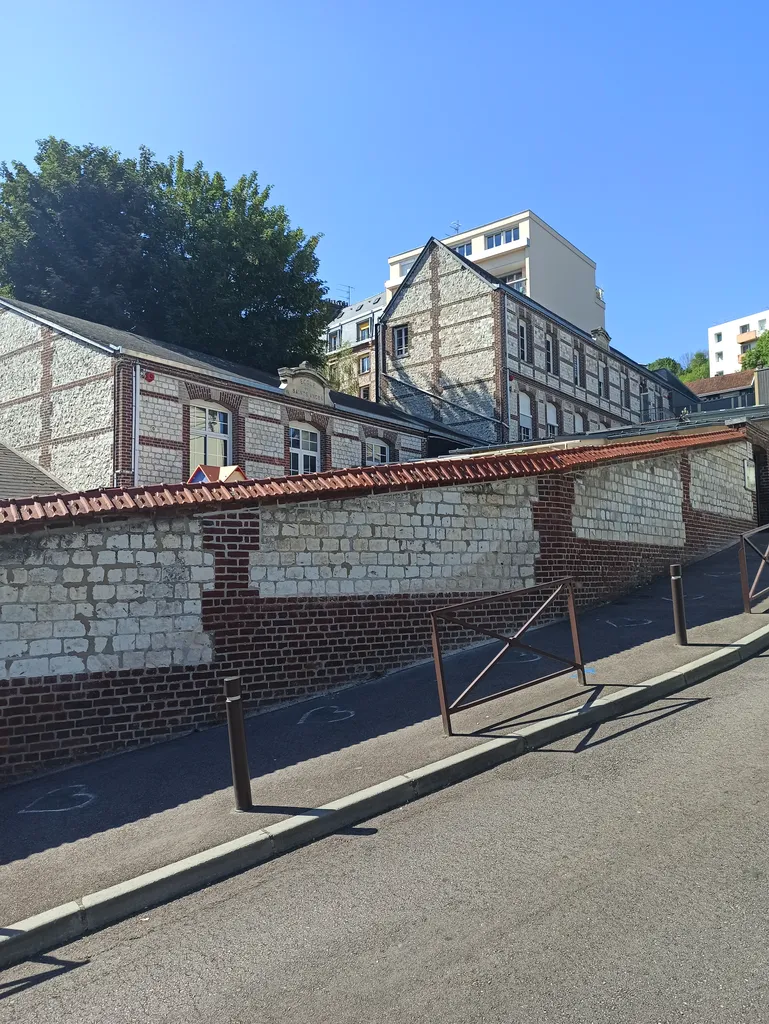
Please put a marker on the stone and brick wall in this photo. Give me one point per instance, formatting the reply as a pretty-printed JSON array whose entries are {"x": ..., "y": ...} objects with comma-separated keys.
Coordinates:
[
  {"x": 56, "y": 402},
  {"x": 118, "y": 634}
]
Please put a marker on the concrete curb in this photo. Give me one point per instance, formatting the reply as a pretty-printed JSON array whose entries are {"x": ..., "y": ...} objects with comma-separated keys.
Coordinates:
[{"x": 72, "y": 920}]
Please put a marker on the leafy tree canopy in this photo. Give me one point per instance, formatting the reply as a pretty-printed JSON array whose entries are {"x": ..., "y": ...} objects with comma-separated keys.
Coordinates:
[
  {"x": 697, "y": 366},
  {"x": 758, "y": 356},
  {"x": 666, "y": 363},
  {"x": 163, "y": 250}
]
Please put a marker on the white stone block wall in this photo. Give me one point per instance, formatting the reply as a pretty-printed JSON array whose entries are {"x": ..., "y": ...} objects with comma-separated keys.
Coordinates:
[
  {"x": 718, "y": 481},
  {"x": 636, "y": 502},
  {"x": 453, "y": 539},
  {"x": 112, "y": 597}
]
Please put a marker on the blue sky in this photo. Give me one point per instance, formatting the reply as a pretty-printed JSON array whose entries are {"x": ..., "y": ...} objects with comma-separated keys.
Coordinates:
[{"x": 640, "y": 131}]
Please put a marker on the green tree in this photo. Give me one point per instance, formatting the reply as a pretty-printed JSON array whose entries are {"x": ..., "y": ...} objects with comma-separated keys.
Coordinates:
[
  {"x": 666, "y": 363},
  {"x": 162, "y": 249},
  {"x": 697, "y": 366},
  {"x": 758, "y": 356}
]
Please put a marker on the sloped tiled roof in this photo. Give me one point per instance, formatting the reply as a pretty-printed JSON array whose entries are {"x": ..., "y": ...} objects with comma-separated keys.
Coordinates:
[
  {"x": 725, "y": 382},
  {"x": 19, "y": 476},
  {"x": 69, "y": 509}
]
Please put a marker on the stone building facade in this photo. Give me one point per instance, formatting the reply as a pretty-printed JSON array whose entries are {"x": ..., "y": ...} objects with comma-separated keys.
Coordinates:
[
  {"x": 97, "y": 407},
  {"x": 120, "y": 611},
  {"x": 464, "y": 347}
]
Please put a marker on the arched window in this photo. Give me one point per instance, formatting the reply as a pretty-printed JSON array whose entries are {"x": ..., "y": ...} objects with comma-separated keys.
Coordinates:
[
  {"x": 579, "y": 423},
  {"x": 210, "y": 436},
  {"x": 376, "y": 452},
  {"x": 525, "y": 422},
  {"x": 304, "y": 448},
  {"x": 551, "y": 417}
]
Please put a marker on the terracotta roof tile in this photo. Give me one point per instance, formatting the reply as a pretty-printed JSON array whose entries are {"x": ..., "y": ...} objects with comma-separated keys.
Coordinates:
[
  {"x": 727, "y": 381},
  {"x": 68, "y": 509}
]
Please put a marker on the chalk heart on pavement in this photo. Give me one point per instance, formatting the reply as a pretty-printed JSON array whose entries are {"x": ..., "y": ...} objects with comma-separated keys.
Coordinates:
[
  {"x": 325, "y": 714},
  {"x": 65, "y": 798}
]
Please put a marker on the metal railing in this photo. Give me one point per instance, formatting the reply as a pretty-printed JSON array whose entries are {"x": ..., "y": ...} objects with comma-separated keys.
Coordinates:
[
  {"x": 750, "y": 593},
  {"x": 454, "y": 614}
]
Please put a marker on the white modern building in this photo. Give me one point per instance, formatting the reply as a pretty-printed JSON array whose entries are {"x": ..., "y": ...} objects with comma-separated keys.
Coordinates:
[
  {"x": 727, "y": 343},
  {"x": 529, "y": 255}
]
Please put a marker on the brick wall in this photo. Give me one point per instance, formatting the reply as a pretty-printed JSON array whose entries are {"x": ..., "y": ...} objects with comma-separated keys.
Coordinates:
[
  {"x": 152, "y": 612},
  {"x": 56, "y": 401}
]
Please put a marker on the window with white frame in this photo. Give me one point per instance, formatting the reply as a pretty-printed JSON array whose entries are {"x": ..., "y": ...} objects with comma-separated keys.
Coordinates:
[
  {"x": 761, "y": 326},
  {"x": 744, "y": 328},
  {"x": 377, "y": 452},
  {"x": 500, "y": 237},
  {"x": 334, "y": 341},
  {"x": 525, "y": 421},
  {"x": 401, "y": 340},
  {"x": 365, "y": 392},
  {"x": 210, "y": 439},
  {"x": 579, "y": 423},
  {"x": 577, "y": 367},
  {"x": 551, "y": 418},
  {"x": 364, "y": 364},
  {"x": 523, "y": 347},
  {"x": 718, "y": 337},
  {"x": 719, "y": 357},
  {"x": 304, "y": 449},
  {"x": 464, "y": 250},
  {"x": 406, "y": 266},
  {"x": 364, "y": 330}
]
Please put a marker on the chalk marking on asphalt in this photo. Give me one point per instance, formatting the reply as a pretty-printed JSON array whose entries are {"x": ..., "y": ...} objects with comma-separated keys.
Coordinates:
[
  {"x": 688, "y": 597},
  {"x": 340, "y": 714},
  {"x": 623, "y": 622},
  {"x": 726, "y": 573},
  {"x": 76, "y": 791},
  {"x": 522, "y": 656}
]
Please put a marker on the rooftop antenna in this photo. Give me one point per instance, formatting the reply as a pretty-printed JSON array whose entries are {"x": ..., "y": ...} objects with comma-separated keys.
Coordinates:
[
  {"x": 346, "y": 290},
  {"x": 456, "y": 225}
]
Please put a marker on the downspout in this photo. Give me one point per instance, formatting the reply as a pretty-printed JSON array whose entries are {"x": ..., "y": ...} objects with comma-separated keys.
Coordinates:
[{"x": 135, "y": 426}]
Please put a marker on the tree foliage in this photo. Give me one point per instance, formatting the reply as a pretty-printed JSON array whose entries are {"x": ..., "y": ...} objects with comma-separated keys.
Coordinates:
[
  {"x": 757, "y": 357},
  {"x": 666, "y": 363},
  {"x": 164, "y": 250},
  {"x": 697, "y": 366}
]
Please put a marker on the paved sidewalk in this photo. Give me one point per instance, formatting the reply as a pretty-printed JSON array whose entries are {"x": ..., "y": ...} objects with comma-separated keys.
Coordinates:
[{"x": 94, "y": 825}]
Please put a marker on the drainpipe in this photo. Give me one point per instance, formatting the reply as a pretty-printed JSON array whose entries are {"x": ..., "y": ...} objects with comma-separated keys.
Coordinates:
[{"x": 135, "y": 426}]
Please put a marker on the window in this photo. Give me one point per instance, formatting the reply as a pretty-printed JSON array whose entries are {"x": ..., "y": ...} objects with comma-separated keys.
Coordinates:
[
  {"x": 744, "y": 328},
  {"x": 551, "y": 354},
  {"x": 304, "y": 447},
  {"x": 625, "y": 391},
  {"x": 551, "y": 416},
  {"x": 406, "y": 266},
  {"x": 511, "y": 235},
  {"x": 364, "y": 364},
  {"x": 334, "y": 341},
  {"x": 718, "y": 373},
  {"x": 579, "y": 423},
  {"x": 209, "y": 436},
  {"x": 376, "y": 453},
  {"x": 761, "y": 326},
  {"x": 364, "y": 392},
  {"x": 464, "y": 250},
  {"x": 401, "y": 340},
  {"x": 603, "y": 381},
  {"x": 719, "y": 357},
  {"x": 492, "y": 241},
  {"x": 364, "y": 330},
  {"x": 525, "y": 422},
  {"x": 523, "y": 347},
  {"x": 578, "y": 367},
  {"x": 718, "y": 338}
]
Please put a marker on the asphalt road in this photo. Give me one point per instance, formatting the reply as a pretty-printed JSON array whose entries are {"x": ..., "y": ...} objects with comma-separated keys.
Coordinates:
[{"x": 621, "y": 876}]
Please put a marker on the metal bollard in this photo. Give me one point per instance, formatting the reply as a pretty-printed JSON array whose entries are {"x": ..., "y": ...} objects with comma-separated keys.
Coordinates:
[
  {"x": 679, "y": 612},
  {"x": 236, "y": 730}
]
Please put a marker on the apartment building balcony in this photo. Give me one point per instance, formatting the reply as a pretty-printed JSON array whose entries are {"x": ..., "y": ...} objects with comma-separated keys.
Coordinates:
[{"x": 746, "y": 337}]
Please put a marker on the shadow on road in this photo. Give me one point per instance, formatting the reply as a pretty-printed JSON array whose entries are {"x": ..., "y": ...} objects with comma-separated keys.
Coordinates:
[{"x": 56, "y": 967}]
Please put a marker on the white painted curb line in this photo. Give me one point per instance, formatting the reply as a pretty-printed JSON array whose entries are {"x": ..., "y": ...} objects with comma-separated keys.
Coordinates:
[{"x": 72, "y": 920}]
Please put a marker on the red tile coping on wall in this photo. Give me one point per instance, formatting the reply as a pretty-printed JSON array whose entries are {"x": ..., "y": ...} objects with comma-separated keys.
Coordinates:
[{"x": 62, "y": 509}]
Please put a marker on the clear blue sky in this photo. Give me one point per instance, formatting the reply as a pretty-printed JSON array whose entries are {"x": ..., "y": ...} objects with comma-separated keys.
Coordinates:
[{"x": 640, "y": 131}]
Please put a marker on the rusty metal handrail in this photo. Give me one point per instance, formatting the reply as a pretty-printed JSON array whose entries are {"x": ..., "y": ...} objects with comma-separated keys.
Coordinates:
[
  {"x": 449, "y": 614},
  {"x": 749, "y": 592}
]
